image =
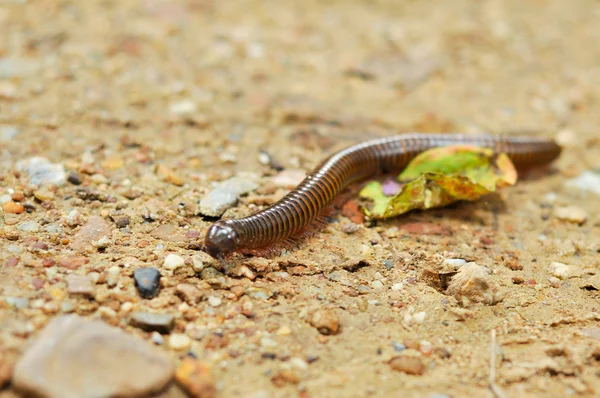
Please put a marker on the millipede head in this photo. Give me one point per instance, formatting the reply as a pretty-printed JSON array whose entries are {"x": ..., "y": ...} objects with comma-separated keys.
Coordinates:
[{"x": 221, "y": 240}]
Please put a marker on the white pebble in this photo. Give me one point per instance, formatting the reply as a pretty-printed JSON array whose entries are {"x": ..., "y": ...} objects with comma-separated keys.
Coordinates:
[
  {"x": 184, "y": 107},
  {"x": 157, "y": 338},
  {"x": 173, "y": 261},
  {"x": 455, "y": 262},
  {"x": 197, "y": 264},
  {"x": 377, "y": 284},
  {"x": 179, "y": 342},
  {"x": 214, "y": 301},
  {"x": 560, "y": 270},
  {"x": 298, "y": 363},
  {"x": 267, "y": 342},
  {"x": 112, "y": 276},
  {"x": 419, "y": 317},
  {"x": 571, "y": 214},
  {"x": 397, "y": 286}
]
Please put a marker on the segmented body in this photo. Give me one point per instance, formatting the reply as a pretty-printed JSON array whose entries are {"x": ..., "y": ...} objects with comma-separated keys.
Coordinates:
[{"x": 304, "y": 203}]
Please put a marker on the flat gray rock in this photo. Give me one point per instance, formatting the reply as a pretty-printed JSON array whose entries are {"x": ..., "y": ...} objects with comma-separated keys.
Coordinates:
[
  {"x": 78, "y": 358},
  {"x": 225, "y": 195}
]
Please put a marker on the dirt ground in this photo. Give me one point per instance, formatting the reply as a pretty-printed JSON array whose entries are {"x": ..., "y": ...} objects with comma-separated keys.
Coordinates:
[{"x": 147, "y": 104}]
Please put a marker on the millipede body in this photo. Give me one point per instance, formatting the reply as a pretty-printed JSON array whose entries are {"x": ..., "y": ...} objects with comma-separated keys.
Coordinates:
[{"x": 303, "y": 204}]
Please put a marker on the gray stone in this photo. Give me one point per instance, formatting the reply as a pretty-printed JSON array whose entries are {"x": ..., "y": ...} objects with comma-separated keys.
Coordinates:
[
  {"x": 225, "y": 195},
  {"x": 78, "y": 358},
  {"x": 28, "y": 226},
  {"x": 150, "y": 322},
  {"x": 42, "y": 172},
  {"x": 147, "y": 281},
  {"x": 17, "y": 302}
]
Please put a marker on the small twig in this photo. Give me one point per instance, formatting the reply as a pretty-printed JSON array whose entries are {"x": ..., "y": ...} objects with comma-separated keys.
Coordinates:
[{"x": 497, "y": 391}]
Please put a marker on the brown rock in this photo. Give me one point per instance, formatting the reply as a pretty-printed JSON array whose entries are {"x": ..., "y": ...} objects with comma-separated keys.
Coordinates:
[
  {"x": 196, "y": 378},
  {"x": 286, "y": 376},
  {"x": 80, "y": 285},
  {"x": 94, "y": 229},
  {"x": 325, "y": 321},
  {"x": 473, "y": 282},
  {"x": 189, "y": 293},
  {"x": 168, "y": 175},
  {"x": 78, "y": 358},
  {"x": 13, "y": 208},
  {"x": 408, "y": 364},
  {"x": 353, "y": 212},
  {"x": 72, "y": 262}
]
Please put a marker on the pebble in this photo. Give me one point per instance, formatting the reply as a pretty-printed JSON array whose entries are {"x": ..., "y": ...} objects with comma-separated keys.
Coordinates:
[
  {"x": 75, "y": 178},
  {"x": 419, "y": 317},
  {"x": 80, "y": 285},
  {"x": 189, "y": 293},
  {"x": 225, "y": 196},
  {"x": 473, "y": 282},
  {"x": 215, "y": 301},
  {"x": 572, "y": 214},
  {"x": 196, "y": 379},
  {"x": 157, "y": 338},
  {"x": 29, "y": 226},
  {"x": 185, "y": 107},
  {"x": 398, "y": 347},
  {"x": 258, "y": 293},
  {"x": 408, "y": 364},
  {"x": 17, "y": 302},
  {"x": 112, "y": 276},
  {"x": 73, "y": 218},
  {"x": 44, "y": 195},
  {"x": 78, "y": 358},
  {"x": 72, "y": 262},
  {"x": 173, "y": 261},
  {"x": 92, "y": 231},
  {"x": 455, "y": 262},
  {"x": 179, "y": 342},
  {"x": 397, "y": 286},
  {"x": 168, "y": 175},
  {"x": 388, "y": 264},
  {"x": 102, "y": 243},
  {"x": 377, "y": 284},
  {"x": 587, "y": 181},
  {"x": 325, "y": 321},
  {"x": 198, "y": 264},
  {"x": 267, "y": 342},
  {"x": 147, "y": 282},
  {"x": 152, "y": 322},
  {"x": 13, "y": 207},
  {"x": 122, "y": 222},
  {"x": 41, "y": 171},
  {"x": 559, "y": 270}
]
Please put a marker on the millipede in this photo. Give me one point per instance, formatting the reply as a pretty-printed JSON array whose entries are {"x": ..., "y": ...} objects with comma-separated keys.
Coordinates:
[{"x": 296, "y": 210}]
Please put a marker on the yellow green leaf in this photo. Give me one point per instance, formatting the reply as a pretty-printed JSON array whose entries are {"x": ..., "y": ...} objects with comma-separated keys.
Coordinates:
[{"x": 442, "y": 176}]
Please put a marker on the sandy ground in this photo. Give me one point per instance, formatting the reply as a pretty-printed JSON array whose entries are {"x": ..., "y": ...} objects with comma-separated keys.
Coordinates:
[{"x": 152, "y": 102}]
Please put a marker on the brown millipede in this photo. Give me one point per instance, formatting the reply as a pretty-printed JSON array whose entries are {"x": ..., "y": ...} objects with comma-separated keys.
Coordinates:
[{"x": 301, "y": 206}]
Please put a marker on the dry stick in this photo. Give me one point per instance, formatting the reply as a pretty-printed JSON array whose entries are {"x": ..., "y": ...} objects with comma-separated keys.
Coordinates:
[{"x": 498, "y": 393}]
